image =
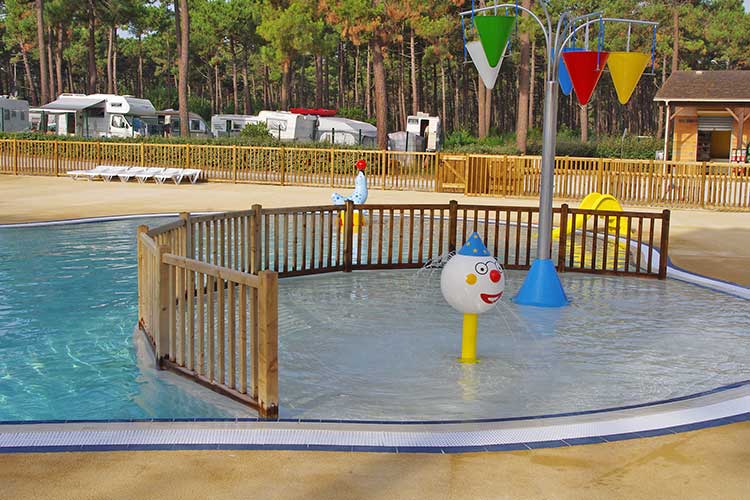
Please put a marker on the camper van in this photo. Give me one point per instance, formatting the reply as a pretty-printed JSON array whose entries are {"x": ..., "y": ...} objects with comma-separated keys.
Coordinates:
[
  {"x": 97, "y": 115},
  {"x": 14, "y": 115},
  {"x": 169, "y": 123},
  {"x": 426, "y": 126},
  {"x": 228, "y": 125},
  {"x": 282, "y": 125},
  {"x": 336, "y": 130}
]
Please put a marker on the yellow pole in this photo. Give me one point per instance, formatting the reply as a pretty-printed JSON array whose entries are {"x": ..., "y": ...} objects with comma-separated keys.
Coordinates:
[{"x": 469, "y": 340}]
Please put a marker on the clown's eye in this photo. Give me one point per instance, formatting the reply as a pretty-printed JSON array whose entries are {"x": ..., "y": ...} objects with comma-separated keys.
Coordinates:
[
  {"x": 481, "y": 268},
  {"x": 492, "y": 264}
]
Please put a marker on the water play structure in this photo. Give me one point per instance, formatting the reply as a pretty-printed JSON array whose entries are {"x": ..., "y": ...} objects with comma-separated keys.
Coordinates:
[
  {"x": 542, "y": 286},
  {"x": 598, "y": 201},
  {"x": 358, "y": 196},
  {"x": 472, "y": 282}
]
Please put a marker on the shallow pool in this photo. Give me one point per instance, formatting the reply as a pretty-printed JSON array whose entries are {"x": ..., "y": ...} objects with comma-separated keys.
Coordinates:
[{"x": 364, "y": 345}]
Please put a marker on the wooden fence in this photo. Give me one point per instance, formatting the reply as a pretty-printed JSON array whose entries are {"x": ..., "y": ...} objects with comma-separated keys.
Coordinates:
[
  {"x": 633, "y": 182},
  {"x": 208, "y": 291}
]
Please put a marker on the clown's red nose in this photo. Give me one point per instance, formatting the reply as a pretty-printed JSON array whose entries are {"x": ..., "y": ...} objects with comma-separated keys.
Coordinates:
[{"x": 495, "y": 275}]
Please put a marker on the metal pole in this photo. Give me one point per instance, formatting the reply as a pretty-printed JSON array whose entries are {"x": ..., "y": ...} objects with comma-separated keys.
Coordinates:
[{"x": 548, "y": 169}]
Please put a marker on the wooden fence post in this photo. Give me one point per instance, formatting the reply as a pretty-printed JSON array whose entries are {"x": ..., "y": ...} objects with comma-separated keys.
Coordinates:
[
  {"x": 438, "y": 176},
  {"x": 348, "y": 235},
  {"x": 600, "y": 176},
  {"x": 255, "y": 237},
  {"x": 268, "y": 345},
  {"x": 452, "y": 225},
  {"x": 189, "y": 243},
  {"x": 234, "y": 163},
  {"x": 664, "y": 245},
  {"x": 57, "y": 158},
  {"x": 383, "y": 168},
  {"x": 332, "y": 166},
  {"x": 161, "y": 336},
  {"x": 704, "y": 179},
  {"x": 142, "y": 150},
  {"x": 563, "y": 240},
  {"x": 283, "y": 166},
  {"x": 187, "y": 155},
  {"x": 15, "y": 156},
  {"x": 141, "y": 272}
]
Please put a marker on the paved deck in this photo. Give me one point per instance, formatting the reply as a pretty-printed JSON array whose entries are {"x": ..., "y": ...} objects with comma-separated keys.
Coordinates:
[{"x": 709, "y": 463}]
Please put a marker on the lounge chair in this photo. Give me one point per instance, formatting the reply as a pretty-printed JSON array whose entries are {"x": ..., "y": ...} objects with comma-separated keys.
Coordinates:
[
  {"x": 111, "y": 172},
  {"x": 88, "y": 174},
  {"x": 147, "y": 174},
  {"x": 129, "y": 173},
  {"x": 176, "y": 174},
  {"x": 193, "y": 174}
]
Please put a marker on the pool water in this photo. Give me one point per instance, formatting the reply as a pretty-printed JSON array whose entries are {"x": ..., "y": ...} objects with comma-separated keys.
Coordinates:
[
  {"x": 68, "y": 307},
  {"x": 363, "y": 345}
]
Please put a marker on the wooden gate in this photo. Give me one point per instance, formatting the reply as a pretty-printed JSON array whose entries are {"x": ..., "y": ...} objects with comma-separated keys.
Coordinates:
[{"x": 452, "y": 173}]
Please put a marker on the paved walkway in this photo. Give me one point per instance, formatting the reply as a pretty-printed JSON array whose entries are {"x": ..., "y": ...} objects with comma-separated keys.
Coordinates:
[{"x": 710, "y": 463}]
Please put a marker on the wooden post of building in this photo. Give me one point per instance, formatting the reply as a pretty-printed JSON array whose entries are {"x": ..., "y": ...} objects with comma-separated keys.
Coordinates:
[
  {"x": 348, "y": 236},
  {"x": 57, "y": 158},
  {"x": 141, "y": 272},
  {"x": 452, "y": 225},
  {"x": 189, "y": 243},
  {"x": 664, "y": 245},
  {"x": 563, "y": 241},
  {"x": 268, "y": 345},
  {"x": 255, "y": 239},
  {"x": 161, "y": 335}
]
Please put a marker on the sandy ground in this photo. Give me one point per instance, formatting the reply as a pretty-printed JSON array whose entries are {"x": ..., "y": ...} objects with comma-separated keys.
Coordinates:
[
  {"x": 700, "y": 239},
  {"x": 710, "y": 463}
]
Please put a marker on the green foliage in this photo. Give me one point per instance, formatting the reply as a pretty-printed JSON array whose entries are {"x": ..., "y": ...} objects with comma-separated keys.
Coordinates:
[
  {"x": 255, "y": 131},
  {"x": 354, "y": 113}
]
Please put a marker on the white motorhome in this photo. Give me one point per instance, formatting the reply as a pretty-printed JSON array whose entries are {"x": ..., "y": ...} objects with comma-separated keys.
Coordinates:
[
  {"x": 227, "y": 125},
  {"x": 169, "y": 122},
  {"x": 14, "y": 115},
  {"x": 98, "y": 115},
  {"x": 337, "y": 130},
  {"x": 426, "y": 126},
  {"x": 282, "y": 125}
]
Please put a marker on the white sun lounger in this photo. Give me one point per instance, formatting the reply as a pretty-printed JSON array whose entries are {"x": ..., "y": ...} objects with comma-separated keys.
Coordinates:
[
  {"x": 176, "y": 174},
  {"x": 147, "y": 174},
  {"x": 129, "y": 173},
  {"x": 88, "y": 174},
  {"x": 193, "y": 174},
  {"x": 111, "y": 172}
]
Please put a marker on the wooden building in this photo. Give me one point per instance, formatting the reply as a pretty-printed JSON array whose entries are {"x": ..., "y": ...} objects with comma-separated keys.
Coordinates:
[{"x": 707, "y": 112}]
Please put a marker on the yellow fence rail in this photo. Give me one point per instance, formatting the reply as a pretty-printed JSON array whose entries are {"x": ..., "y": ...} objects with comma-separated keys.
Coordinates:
[{"x": 633, "y": 182}]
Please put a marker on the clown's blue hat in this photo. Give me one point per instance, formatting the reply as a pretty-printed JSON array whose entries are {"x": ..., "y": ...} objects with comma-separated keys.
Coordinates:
[{"x": 474, "y": 247}]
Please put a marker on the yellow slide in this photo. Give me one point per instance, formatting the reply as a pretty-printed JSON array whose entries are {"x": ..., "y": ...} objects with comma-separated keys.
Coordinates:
[{"x": 597, "y": 201}]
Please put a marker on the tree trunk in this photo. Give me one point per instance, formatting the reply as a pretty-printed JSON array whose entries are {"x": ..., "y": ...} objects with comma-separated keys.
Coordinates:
[
  {"x": 51, "y": 68},
  {"x": 59, "y": 60},
  {"x": 675, "y": 39},
  {"x": 401, "y": 92},
  {"x": 318, "y": 81},
  {"x": 266, "y": 90},
  {"x": 286, "y": 73},
  {"x": 414, "y": 87},
  {"x": 182, "y": 91},
  {"x": 91, "y": 83},
  {"x": 71, "y": 88},
  {"x": 481, "y": 105},
  {"x": 584, "y": 120},
  {"x": 246, "y": 104},
  {"x": 660, "y": 126},
  {"x": 381, "y": 104},
  {"x": 140, "y": 64},
  {"x": 442, "y": 95},
  {"x": 342, "y": 62},
  {"x": 368, "y": 92},
  {"x": 110, "y": 51},
  {"x": 532, "y": 83},
  {"x": 27, "y": 72},
  {"x": 43, "y": 75},
  {"x": 235, "y": 96},
  {"x": 522, "y": 111},
  {"x": 356, "y": 78}
]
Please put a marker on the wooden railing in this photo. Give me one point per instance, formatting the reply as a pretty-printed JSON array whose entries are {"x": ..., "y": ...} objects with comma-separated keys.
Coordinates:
[
  {"x": 633, "y": 182},
  {"x": 208, "y": 291}
]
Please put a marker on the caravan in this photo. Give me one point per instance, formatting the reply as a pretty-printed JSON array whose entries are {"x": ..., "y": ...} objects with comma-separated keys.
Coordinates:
[
  {"x": 97, "y": 115},
  {"x": 14, "y": 115},
  {"x": 337, "y": 130},
  {"x": 169, "y": 123},
  {"x": 426, "y": 126},
  {"x": 228, "y": 125},
  {"x": 282, "y": 125}
]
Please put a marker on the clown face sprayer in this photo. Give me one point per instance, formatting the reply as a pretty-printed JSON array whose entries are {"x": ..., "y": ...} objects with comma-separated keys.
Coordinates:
[{"x": 472, "y": 282}]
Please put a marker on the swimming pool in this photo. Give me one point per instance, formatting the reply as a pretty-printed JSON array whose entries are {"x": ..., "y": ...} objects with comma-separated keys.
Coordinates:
[{"x": 365, "y": 345}]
